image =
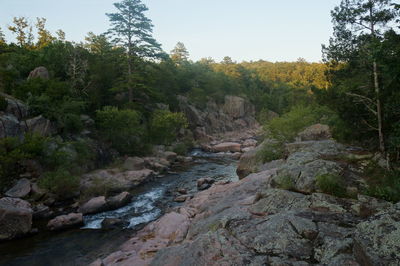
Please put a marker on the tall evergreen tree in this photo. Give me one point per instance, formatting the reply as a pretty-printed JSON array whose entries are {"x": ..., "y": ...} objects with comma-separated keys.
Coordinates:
[
  {"x": 133, "y": 30},
  {"x": 358, "y": 27},
  {"x": 179, "y": 54}
]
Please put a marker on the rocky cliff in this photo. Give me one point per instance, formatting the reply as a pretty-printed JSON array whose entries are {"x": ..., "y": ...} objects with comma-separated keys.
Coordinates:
[{"x": 235, "y": 114}]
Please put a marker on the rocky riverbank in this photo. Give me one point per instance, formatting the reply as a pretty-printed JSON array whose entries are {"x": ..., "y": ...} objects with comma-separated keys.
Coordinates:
[
  {"x": 276, "y": 216},
  {"x": 227, "y": 129}
]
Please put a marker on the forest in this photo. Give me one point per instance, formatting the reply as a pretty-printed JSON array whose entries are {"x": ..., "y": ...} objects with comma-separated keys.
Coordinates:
[{"x": 122, "y": 81}]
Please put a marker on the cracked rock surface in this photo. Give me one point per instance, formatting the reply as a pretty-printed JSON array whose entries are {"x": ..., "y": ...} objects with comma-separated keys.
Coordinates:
[{"x": 250, "y": 222}]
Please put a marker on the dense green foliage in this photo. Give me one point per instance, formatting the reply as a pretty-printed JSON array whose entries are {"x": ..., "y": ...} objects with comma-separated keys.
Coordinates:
[
  {"x": 286, "y": 127},
  {"x": 121, "y": 128},
  {"x": 17, "y": 155},
  {"x": 271, "y": 150},
  {"x": 331, "y": 184},
  {"x": 382, "y": 183},
  {"x": 364, "y": 59},
  {"x": 165, "y": 125},
  {"x": 60, "y": 182}
]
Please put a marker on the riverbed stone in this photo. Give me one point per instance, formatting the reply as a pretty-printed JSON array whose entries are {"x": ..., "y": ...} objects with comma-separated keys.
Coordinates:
[
  {"x": 94, "y": 205},
  {"x": 315, "y": 132},
  {"x": 21, "y": 189},
  {"x": 227, "y": 147},
  {"x": 170, "y": 156},
  {"x": 134, "y": 163},
  {"x": 115, "y": 180},
  {"x": 110, "y": 223},
  {"x": 65, "y": 221},
  {"x": 15, "y": 218},
  {"x": 119, "y": 200}
]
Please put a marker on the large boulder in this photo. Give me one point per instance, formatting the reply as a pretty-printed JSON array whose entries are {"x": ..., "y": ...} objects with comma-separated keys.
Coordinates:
[
  {"x": 377, "y": 240},
  {"x": 115, "y": 180},
  {"x": 94, "y": 205},
  {"x": 15, "y": 218},
  {"x": 10, "y": 126},
  {"x": 39, "y": 72},
  {"x": 304, "y": 166},
  {"x": 119, "y": 200},
  {"x": 39, "y": 125},
  {"x": 250, "y": 161},
  {"x": 66, "y": 221},
  {"x": 15, "y": 107},
  {"x": 134, "y": 163},
  {"x": 170, "y": 156},
  {"x": 194, "y": 116},
  {"x": 20, "y": 190},
  {"x": 237, "y": 107},
  {"x": 315, "y": 132}
]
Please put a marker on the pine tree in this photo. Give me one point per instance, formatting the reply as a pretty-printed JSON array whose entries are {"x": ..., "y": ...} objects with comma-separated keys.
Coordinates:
[
  {"x": 179, "y": 54},
  {"x": 133, "y": 30},
  {"x": 358, "y": 27}
]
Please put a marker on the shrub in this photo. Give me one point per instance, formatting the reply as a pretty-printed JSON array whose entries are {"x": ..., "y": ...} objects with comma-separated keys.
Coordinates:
[
  {"x": 182, "y": 148},
  {"x": 165, "y": 125},
  {"x": 13, "y": 151},
  {"x": 286, "y": 127},
  {"x": 331, "y": 184},
  {"x": 60, "y": 182},
  {"x": 271, "y": 150},
  {"x": 97, "y": 188},
  {"x": 121, "y": 128},
  {"x": 382, "y": 183},
  {"x": 286, "y": 182}
]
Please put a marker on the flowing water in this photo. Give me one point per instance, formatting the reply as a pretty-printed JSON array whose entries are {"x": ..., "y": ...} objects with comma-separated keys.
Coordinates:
[{"x": 150, "y": 201}]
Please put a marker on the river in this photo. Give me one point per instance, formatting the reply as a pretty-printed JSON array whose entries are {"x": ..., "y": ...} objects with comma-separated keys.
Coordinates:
[{"x": 150, "y": 201}]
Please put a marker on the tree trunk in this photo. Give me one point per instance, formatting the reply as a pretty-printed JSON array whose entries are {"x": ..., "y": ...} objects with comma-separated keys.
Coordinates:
[
  {"x": 378, "y": 109},
  {"x": 130, "y": 89},
  {"x": 377, "y": 92}
]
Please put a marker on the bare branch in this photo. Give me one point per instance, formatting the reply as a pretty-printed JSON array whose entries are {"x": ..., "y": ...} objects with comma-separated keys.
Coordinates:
[
  {"x": 366, "y": 101},
  {"x": 369, "y": 125}
]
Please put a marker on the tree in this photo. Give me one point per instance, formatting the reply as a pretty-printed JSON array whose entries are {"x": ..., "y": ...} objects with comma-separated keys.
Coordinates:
[
  {"x": 227, "y": 60},
  {"x": 179, "y": 54},
  {"x": 358, "y": 27},
  {"x": 133, "y": 30},
  {"x": 45, "y": 37},
  {"x": 2, "y": 37},
  {"x": 60, "y": 35},
  {"x": 22, "y": 30}
]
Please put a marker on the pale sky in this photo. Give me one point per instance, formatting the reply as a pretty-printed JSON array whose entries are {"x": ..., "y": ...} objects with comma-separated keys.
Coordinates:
[{"x": 271, "y": 30}]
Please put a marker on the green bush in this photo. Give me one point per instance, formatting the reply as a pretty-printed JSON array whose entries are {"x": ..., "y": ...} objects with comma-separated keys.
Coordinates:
[
  {"x": 3, "y": 103},
  {"x": 331, "y": 184},
  {"x": 382, "y": 183},
  {"x": 60, "y": 182},
  {"x": 122, "y": 129},
  {"x": 165, "y": 125},
  {"x": 13, "y": 151},
  {"x": 286, "y": 127},
  {"x": 182, "y": 148},
  {"x": 65, "y": 111},
  {"x": 99, "y": 187},
  {"x": 270, "y": 151}
]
